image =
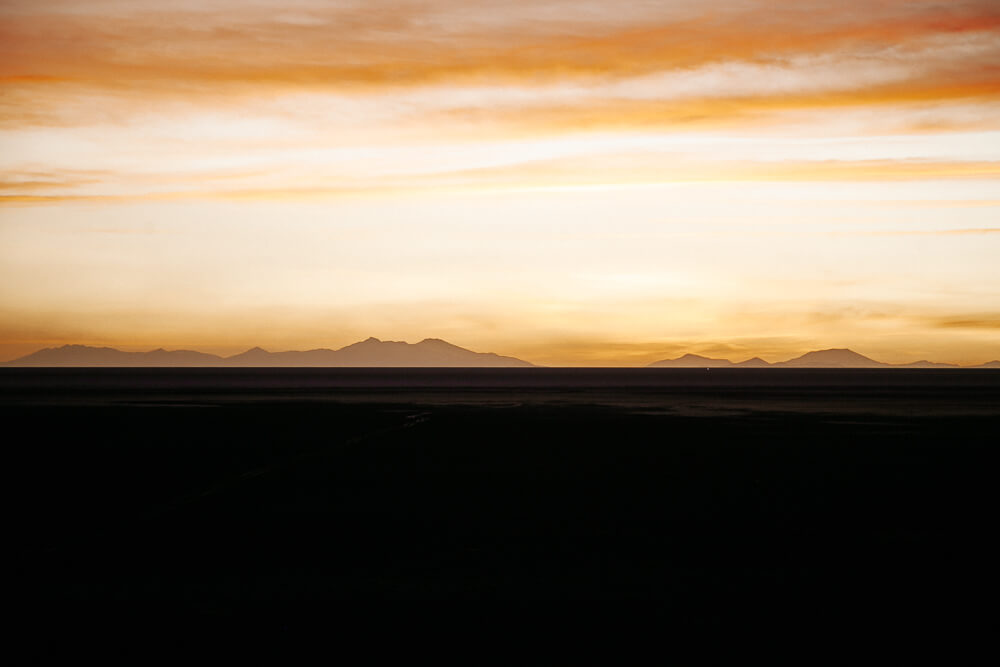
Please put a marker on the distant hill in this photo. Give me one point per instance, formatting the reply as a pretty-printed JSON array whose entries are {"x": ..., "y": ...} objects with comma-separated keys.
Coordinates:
[
  {"x": 431, "y": 352},
  {"x": 692, "y": 361},
  {"x": 926, "y": 364},
  {"x": 756, "y": 362},
  {"x": 834, "y": 358},
  {"x": 372, "y": 352},
  {"x": 698, "y": 361},
  {"x": 83, "y": 355}
]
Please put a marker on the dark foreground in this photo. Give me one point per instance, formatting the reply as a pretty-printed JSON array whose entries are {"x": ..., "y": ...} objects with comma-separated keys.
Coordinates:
[{"x": 219, "y": 490}]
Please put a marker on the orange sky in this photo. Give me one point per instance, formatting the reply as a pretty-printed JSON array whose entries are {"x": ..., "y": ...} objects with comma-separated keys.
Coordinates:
[{"x": 575, "y": 183}]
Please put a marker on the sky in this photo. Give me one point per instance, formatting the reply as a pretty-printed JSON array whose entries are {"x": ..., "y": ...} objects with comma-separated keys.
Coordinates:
[{"x": 573, "y": 182}]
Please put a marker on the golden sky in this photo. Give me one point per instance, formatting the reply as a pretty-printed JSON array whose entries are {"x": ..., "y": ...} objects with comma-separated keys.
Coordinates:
[{"x": 572, "y": 182}]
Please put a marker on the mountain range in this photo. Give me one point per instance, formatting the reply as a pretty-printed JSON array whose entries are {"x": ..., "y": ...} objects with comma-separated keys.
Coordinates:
[
  {"x": 431, "y": 352},
  {"x": 428, "y": 353},
  {"x": 833, "y": 358}
]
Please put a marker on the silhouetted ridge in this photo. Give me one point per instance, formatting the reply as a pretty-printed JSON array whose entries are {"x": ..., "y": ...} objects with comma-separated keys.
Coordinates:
[
  {"x": 428, "y": 353},
  {"x": 755, "y": 362},
  {"x": 923, "y": 363},
  {"x": 84, "y": 355},
  {"x": 833, "y": 358},
  {"x": 692, "y": 361},
  {"x": 371, "y": 352}
]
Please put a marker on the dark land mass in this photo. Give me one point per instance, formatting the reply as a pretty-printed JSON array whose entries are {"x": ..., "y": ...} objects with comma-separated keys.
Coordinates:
[
  {"x": 833, "y": 358},
  {"x": 234, "y": 490},
  {"x": 371, "y": 352},
  {"x": 428, "y": 353}
]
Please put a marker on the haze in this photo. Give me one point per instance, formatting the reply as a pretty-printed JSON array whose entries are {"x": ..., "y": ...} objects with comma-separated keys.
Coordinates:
[{"x": 573, "y": 183}]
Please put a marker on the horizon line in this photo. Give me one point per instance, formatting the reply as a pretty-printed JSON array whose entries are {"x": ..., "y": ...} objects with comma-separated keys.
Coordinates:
[{"x": 653, "y": 364}]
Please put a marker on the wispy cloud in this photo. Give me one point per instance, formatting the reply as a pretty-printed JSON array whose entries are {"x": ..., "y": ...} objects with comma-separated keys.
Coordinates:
[
  {"x": 925, "y": 232},
  {"x": 725, "y": 59},
  {"x": 990, "y": 321}
]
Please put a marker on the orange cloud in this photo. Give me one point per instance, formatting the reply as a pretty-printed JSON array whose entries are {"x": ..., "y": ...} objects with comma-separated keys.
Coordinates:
[
  {"x": 47, "y": 57},
  {"x": 577, "y": 172},
  {"x": 395, "y": 43}
]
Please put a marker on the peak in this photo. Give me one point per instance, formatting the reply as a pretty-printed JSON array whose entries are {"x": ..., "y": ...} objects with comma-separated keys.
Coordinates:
[
  {"x": 842, "y": 351},
  {"x": 371, "y": 339},
  {"x": 840, "y": 357},
  {"x": 255, "y": 350}
]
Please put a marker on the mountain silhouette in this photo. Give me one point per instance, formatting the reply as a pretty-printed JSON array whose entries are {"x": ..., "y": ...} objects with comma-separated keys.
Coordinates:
[
  {"x": 372, "y": 352},
  {"x": 834, "y": 358},
  {"x": 756, "y": 362},
  {"x": 698, "y": 361},
  {"x": 428, "y": 353},
  {"x": 84, "y": 355},
  {"x": 927, "y": 364},
  {"x": 692, "y": 361},
  {"x": 431, "y": 352}
]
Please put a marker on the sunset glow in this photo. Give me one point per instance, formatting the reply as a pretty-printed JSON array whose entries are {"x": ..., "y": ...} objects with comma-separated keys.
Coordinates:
[{"x": 571, "y": 183}]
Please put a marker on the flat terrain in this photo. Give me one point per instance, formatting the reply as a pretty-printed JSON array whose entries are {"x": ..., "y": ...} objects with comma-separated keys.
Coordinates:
[{"x": 218, "y": 490}]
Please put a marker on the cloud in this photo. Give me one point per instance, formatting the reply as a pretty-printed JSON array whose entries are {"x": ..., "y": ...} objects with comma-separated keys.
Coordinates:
[
  {"x": 926, "y": 232},
  {"x": 988, "y": 321},
  {"x": 796, "y": 54}
]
